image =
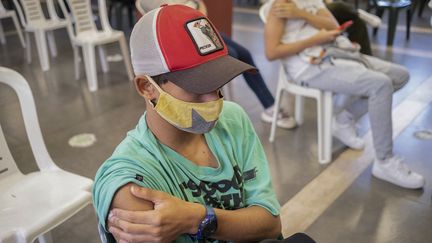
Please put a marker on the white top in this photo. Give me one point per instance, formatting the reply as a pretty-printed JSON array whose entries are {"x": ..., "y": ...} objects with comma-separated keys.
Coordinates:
[{"x": 299, "y": 29}]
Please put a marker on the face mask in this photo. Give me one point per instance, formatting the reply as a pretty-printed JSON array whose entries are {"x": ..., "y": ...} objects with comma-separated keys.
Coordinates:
[{"x": 190, "y": 117}]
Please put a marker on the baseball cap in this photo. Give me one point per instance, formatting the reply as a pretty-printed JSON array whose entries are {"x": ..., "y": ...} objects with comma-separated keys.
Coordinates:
[{"x": 181, "y": 43}]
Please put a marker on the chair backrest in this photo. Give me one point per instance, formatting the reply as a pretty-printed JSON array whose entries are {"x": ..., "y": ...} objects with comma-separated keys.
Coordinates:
[
  {"x": 31, "y": 123},
  {"x": 32, "y": 10},
  {"x": 104, "y": 16},
  {"x": 82, "y": 13},
  {"x": 263, "y": 12}
]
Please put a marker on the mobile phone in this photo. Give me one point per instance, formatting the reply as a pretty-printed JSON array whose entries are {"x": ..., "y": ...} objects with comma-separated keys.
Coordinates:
[{"x": 345, "y": 25}]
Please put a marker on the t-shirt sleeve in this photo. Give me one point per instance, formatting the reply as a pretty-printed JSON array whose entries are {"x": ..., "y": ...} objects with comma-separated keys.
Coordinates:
[
  {"x": 258, "y": 189},
  {"x": 111, "y": 176}
]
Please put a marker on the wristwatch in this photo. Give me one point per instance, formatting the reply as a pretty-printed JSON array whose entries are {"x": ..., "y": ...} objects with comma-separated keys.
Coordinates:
[{"x": 208, "y": 225}]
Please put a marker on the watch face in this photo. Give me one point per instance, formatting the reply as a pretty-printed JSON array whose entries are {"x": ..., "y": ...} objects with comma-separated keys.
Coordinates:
[{"x": 210, "y": 226}]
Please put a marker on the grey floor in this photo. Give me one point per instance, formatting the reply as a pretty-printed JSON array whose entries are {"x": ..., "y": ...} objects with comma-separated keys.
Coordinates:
[{"x": 369, "y": 211}]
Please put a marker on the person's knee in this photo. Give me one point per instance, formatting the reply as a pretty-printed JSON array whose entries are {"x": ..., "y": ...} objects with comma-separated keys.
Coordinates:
[
  {"x": 400, "y": 76},
  {"x": 383, "y": 86}
]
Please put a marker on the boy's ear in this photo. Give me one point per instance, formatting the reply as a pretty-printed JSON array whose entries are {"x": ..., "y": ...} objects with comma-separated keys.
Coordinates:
[{"x": 145, "y": 88}]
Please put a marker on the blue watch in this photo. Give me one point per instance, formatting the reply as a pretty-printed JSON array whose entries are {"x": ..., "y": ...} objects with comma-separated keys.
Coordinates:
[{"x": 208, "y": 225}]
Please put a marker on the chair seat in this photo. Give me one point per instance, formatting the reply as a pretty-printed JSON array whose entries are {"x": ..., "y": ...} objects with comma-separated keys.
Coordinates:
[
  {"x": 98, "y": 37},
  {"x": 46, "y": 25},
  {"x": 394, "y": 4},
  {"x": 57, "y": 195}
]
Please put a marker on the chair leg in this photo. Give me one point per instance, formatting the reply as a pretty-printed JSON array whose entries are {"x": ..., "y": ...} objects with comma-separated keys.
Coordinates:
[
  {"x": 320, "y": 127},
  {"x": 2, "y": 35},
  {"x": 103, "y": 59},
  {"x": 408, "y": 22},
  {"x": 41, "y": 44},
  {"x": 392, "y": 22},
  {"x": 90, "y": 67},
  {"x": 276, "y": 108},
  {"x": 422, "y": 6},
  {"x": 299, "y": 107},
  {"x": 126, "y": 57},
  {"x": 51, "y": 43},
  {"x": 18, "y": 28},
  {"x": 327, "y": 140},
  {"x": 131, "y": 16},
  {"x": 77, "y": 61},
  {"x": 119, "y": 16},
  {"x": 28, "y": 49},
  {"x": 379, "y": 12},
  {"x": 45, "y": 238}
]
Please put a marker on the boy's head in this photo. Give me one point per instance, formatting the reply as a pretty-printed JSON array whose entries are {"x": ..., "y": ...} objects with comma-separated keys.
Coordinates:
[{"x": 180, "y": 63}]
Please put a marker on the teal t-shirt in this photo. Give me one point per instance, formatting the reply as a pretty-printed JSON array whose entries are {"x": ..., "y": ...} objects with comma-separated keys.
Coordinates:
[{"x": 242, "y": 178}]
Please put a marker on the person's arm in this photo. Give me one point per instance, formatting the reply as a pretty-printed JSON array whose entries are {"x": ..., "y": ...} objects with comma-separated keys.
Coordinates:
[
  {"x": 323, "y": 19},
  {"x": 133, "y": 218},
  {"x": 274, "y": 30}
]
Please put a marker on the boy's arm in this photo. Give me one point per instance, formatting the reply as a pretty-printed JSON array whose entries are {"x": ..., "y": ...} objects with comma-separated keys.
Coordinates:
[{"x": 133, "y": 218}]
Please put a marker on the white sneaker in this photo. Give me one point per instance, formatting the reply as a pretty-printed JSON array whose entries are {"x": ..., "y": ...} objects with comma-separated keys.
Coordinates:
[
  {"x": 347, "y": 134},
  {"x": 284, "y": 119},
  {"x": 369, "y": 18},
  {"x": 395, "y": 171}
]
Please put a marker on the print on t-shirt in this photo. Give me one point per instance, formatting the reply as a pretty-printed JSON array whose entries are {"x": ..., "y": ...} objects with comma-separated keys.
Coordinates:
[{"x": 224, "y": 194}]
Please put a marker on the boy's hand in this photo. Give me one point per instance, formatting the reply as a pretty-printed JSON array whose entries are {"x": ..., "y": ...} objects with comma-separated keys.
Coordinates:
[{"x": 170, "y": 218}]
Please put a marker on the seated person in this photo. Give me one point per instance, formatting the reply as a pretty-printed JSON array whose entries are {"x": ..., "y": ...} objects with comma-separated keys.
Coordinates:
[
  {"x": 304, "y": 39},
  {"x": 193, "y": 169},
  {"x": 254, "y": 80}
]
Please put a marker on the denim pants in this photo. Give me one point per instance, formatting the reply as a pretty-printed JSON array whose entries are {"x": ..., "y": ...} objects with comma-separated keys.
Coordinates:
[
  {"x": 254, "y": 80},
  {"x": 376, "y": 84}
]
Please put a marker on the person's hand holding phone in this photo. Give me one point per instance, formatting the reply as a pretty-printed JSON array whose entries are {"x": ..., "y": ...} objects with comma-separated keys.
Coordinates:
[{"x": 343, "y": 27}]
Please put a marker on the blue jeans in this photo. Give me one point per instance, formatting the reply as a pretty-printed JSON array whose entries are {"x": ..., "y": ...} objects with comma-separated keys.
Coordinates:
[{"x": 254, "y": 80}]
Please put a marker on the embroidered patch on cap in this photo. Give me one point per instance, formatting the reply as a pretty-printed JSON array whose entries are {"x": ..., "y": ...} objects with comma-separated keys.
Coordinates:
[{"x": 204, "y": 36}]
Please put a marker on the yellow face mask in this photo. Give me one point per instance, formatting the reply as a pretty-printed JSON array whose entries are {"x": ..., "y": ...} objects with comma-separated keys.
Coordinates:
[{"x": 191, "y": 117}]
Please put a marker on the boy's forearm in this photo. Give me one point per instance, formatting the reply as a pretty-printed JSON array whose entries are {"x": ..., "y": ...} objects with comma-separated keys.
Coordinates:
[{"x": 247, "y": 225}]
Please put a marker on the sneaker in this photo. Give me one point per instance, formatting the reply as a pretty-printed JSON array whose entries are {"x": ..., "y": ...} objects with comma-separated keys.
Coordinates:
[
  {"x": 347, "y": 134},
  {"x": 395, "y": 171},
  {"x": 284, "y": 119},
  {"x": 369, "y": 18}
]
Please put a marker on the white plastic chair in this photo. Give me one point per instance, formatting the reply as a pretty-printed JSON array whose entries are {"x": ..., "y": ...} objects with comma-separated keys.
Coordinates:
[
  {"x": 32, "y": 205},
  {"x": 87, "y": 36},
  {"x": 34, "y": 20},
  {"x": 324, "y": 106},
  {"x": 10, "y": 14}
]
